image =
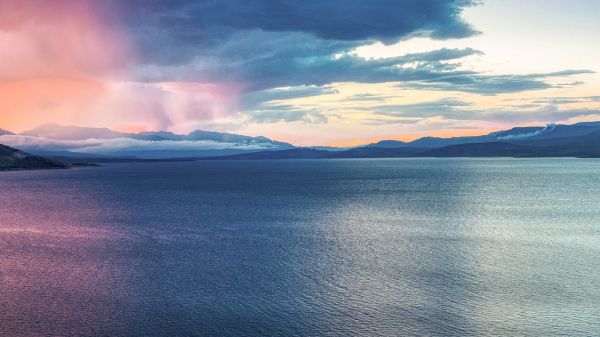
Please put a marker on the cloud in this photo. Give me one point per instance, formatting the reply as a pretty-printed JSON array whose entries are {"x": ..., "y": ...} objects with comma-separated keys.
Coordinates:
[
  {"x": 183, "y": 27},
  {"x": 458, "y": 110},
  {"x": 256, "y": 60},
  {"x": 567, "y": 100},
  {"x": 473, "y": 82},
  {"x": 292, "y": 64},
  {"x": 143, "y": 65},
  {"x": 271, "y": 64},
  {"x": 448, "y": 107},
  {"x": 131, "y": 145},
  {"x": 30, "y": 142},
  {"x": 260, "y": 44},
  {"x": 264, "y": 60},
  {"x": 106, "y": 146},
  {"x": 161, "y": 106},
  {"x": 548, "y": 128},
  {"x": 367, "y": 98},
  {"x": 260, "y": 98},
  {"x": 66, "y": 38},
  {"x": 548, "y": 113},
  {"x": 286, "y": 113},
  {"x": 443, "y": 54}
]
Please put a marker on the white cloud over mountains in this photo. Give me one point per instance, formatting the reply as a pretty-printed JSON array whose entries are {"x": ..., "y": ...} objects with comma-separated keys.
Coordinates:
[{"x": 127, "y": 145}]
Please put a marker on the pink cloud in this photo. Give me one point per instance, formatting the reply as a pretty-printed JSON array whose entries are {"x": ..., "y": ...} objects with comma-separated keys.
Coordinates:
[
  {"x": 63, "y": 61},
  {"x": 58, "y": 39},
  {"x": 166, "y": 107}
]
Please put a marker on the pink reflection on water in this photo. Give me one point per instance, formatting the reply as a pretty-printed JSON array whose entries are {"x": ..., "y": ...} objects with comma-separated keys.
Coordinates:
[{"x": 61, "y": 265}]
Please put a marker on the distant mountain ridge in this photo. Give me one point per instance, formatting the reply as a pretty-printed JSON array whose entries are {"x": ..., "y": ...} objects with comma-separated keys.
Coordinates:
[
  {"x": 60, "y": 140},
  {"x": 517, "y": 134},
  {"x": 576, "y": 140},
  {"x": 63, "y": 132}
]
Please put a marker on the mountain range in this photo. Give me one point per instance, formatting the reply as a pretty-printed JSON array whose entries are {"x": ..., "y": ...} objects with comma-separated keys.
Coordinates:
[
  {"x": 576, "y": 140},
  {"x": 74, "y": 141},
  {"x": 61, "y": 132},
  {"x": 101, "y": 145}
]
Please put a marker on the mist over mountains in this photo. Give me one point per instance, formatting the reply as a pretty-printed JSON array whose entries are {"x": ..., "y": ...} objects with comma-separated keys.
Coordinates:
[
  {"x": 59, "y": 140},
  {"x": 576, "y": 140}
]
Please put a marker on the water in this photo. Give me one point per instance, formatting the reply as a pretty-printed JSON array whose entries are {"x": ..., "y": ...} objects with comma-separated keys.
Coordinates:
[{"x": 307, "y": 248}]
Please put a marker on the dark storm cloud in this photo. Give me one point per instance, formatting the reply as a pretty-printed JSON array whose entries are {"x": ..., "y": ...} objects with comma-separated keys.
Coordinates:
[
  {"x": 386, "y": 20},
  {"x": 259, "y": 41},
  {"x": 206, "y": 22},
  {"x": 262, "y": 60},
  {"x": 258, "y": 45},
  {"x": 288, "y": 68}
]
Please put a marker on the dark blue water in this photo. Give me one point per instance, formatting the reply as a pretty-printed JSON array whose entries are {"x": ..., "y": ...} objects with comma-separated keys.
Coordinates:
[{"x": 307, "y": 248}]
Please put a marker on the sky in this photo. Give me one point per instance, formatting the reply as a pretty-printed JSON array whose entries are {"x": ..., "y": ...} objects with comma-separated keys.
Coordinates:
[{"x": 310, "y": 72}]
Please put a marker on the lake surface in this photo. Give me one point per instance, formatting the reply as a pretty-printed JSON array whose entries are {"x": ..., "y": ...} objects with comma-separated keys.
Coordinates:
[{"x": 303, "y": 247}]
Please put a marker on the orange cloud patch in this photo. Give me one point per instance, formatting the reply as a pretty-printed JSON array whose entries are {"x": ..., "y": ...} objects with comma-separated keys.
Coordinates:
[
  {"x": 55, "y": 58},
  {"x": 61, "y": 38},
  {"x": 29, "y": 102}
]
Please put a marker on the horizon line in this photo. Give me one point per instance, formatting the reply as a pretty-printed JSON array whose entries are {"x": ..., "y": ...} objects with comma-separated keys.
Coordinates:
[{"x": 337, "y": 144}]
